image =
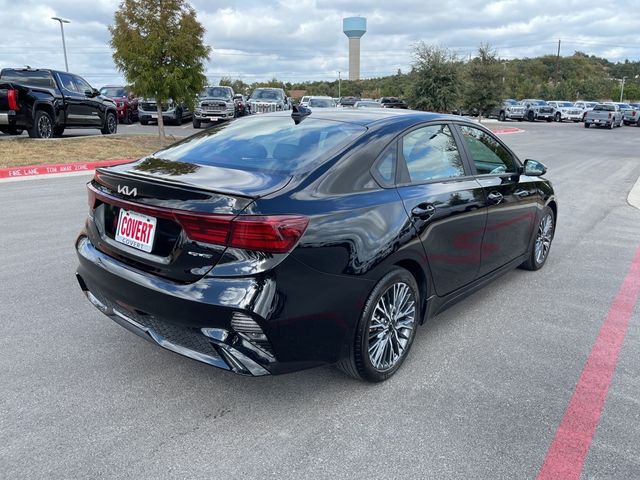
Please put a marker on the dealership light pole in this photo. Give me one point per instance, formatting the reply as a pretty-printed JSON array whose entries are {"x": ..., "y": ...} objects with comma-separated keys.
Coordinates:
[
  {"x": 339, "y": 84},
  {"x": 64, "y": 47},
  {"x": 622, "y": 88}
]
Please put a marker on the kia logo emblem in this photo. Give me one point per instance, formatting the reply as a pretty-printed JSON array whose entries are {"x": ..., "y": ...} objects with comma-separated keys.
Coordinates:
[{"x": 124, "y": 189}]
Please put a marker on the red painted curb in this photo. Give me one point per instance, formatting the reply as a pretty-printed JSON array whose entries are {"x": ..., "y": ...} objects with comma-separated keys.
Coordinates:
[
  {"x": 17, "y": 172},
  {"x": 502, "y": 131},
  {"x": 567, "y": 453}
]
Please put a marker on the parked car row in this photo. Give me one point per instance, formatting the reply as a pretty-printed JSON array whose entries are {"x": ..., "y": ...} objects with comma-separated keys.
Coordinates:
[{"x": 559, "y": 111}]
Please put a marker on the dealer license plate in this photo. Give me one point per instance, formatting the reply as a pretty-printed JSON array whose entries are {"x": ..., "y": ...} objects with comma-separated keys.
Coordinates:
[{"x": 136, "y": 230}]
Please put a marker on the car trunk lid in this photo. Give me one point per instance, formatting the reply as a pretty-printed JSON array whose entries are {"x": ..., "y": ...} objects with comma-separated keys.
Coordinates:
[{"x": 176, "y": 213}]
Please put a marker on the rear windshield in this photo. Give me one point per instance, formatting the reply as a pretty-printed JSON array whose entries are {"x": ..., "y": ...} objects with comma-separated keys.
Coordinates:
[
  {"x": 113, "y": 92},
  {"x": 565, "y": 104},
  {"x": 264, "y": 144},
  {"x": 606, "y": 108},
  {"x": 321, "y": 102},
  {"x": 29, "y": 78}
]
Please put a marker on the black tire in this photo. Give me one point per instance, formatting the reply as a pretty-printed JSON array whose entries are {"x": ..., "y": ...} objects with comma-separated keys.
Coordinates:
[
  {"x": 110, "y": 124},
  {"x": 359, "y": 364},
  {"x": 535, "y": 262},
  {"x": 144, "y": 122},
  {"x": 611, "y": 125},
  {"x": 196, "y": 123},
  {"x": 42, "y": 125},
  {"x": 549, "y": 119},
  {"x": 58, "y": 131},
  {"x": 502, "y": 117},
  {"x": 558, "y": 117},
  {"x": 530, "y": 116}
]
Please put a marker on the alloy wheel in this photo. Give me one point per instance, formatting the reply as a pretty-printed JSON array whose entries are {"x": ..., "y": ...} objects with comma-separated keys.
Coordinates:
[
  {"x": 543, "y": 238},
  {"x": 112, "y": 123},
  {"x": 45, "y": 130},
  {"x": 391, "y": 326}
]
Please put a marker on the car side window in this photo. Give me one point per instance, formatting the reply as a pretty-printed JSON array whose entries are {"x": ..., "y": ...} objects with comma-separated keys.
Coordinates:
[
  {"x": 431, "y": 153},
  {"x": 67, "y": 82},
  {"x": 385, "y": 167},
  {"x": 486, "y": 152},
  {"x": 81, "y": 85}
]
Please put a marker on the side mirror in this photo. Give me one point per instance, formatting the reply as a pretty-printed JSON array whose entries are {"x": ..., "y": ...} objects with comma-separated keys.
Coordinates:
[{"x": 533, "y": 168}]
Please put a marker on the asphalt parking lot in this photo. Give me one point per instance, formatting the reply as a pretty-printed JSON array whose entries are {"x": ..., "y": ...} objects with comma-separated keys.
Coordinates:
[
  {"x": 134, "y": 129},
  {"x": 481, "y": 395}
]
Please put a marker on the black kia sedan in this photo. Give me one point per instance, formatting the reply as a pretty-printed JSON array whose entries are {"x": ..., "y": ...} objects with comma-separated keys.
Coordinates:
[{"x": 284, "y": 241}]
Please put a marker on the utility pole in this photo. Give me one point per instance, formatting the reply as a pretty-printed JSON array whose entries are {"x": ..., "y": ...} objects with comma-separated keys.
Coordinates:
[
  {"x": 64, "y": 47},
  {"x": 339, "y": 84},
  {"x": 622, "y": 88},
  {"x": 558, "y": 62}
]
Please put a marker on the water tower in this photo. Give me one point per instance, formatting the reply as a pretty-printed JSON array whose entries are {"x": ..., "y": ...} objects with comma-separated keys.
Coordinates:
[{"x": 354, "y": 28}]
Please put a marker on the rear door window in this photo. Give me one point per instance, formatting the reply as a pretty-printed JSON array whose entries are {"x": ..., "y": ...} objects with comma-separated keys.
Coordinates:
[{"x": 67, "y": 82}]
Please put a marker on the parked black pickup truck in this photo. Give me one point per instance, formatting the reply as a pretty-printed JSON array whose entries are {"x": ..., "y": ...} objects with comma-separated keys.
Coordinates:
[
  {"x": 45, "y": 102},
  {"x": 393, "y": 102}
]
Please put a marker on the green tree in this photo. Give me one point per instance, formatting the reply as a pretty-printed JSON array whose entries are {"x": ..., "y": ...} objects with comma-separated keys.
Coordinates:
[
  {"x": 435, "y": 82},
  {"x": 158, "y": 46},
  {"x": 483, "y": 88},
  {"x": 238, "y": 85}
]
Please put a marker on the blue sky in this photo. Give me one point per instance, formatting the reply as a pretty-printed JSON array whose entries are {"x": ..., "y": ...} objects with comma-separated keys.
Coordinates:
[{"x": 303, "y": 40}]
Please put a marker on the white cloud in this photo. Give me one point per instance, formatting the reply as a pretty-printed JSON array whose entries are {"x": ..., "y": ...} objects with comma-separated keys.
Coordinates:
[{"x": 303, "y": 40}]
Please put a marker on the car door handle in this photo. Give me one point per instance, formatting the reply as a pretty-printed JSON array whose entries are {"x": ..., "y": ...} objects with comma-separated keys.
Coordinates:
[
  {"x": 521, "y": 193},
  {"x": 495, "y": 197},
  {"x": 423, "y": 211}
]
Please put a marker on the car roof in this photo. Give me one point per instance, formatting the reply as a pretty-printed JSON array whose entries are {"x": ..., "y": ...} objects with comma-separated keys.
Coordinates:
[{"x": 370, "y": 117}]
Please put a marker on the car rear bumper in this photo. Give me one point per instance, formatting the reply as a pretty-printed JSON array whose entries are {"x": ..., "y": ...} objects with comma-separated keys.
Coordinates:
[
  {"x": 204, "y": 320},
  {"x": 515, "y": 116},
  {"x": 8, "y": 119}
]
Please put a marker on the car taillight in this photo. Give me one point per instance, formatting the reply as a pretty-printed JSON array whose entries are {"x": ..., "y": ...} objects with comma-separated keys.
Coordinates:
[
  {"x": 205, "y": 228},
  {"x": 12, "y": 98},
  {"x": 269, "y": 233},
  {"x": 273, "y": 233}
]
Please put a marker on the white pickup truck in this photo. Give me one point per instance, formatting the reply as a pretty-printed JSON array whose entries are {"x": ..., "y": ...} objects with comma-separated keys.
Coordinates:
[{"x": 604, "y": 115}]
